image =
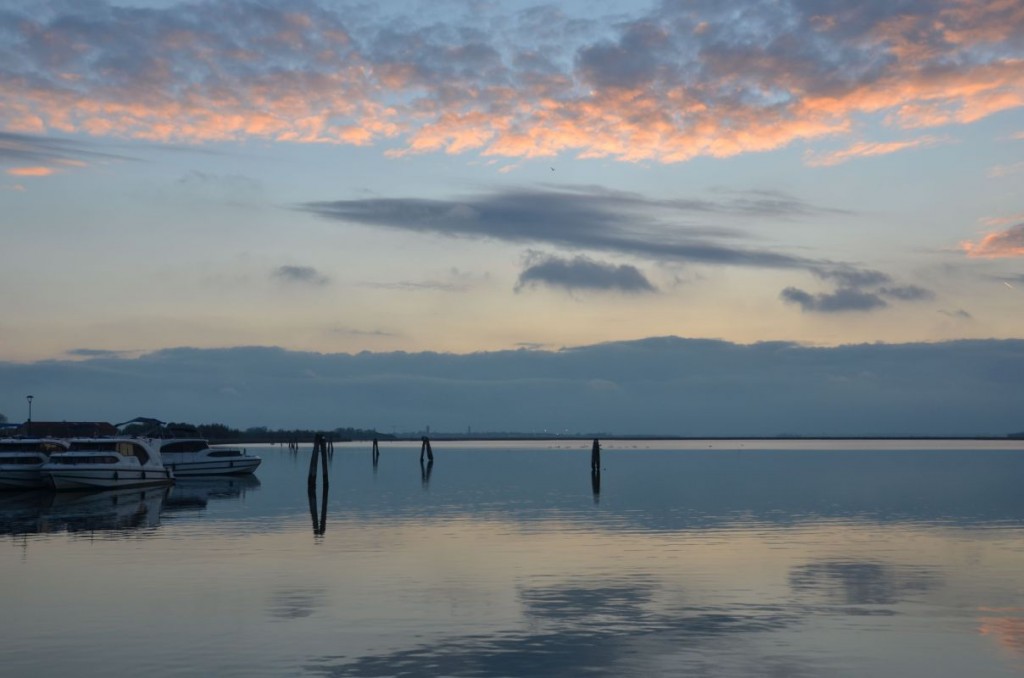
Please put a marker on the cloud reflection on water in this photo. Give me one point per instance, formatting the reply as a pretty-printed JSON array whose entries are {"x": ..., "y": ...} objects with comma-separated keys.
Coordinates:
[
  {"x": 608, "y": 628},
  {"x": 847, "y": 582}
]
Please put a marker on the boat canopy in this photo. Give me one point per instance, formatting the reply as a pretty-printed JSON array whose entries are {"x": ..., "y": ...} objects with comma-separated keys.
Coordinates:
[{"x": 154, "y": 428}]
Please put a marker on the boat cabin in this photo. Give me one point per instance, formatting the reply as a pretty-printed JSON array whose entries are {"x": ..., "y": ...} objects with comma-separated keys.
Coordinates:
[{"x": 119, "y": 448}]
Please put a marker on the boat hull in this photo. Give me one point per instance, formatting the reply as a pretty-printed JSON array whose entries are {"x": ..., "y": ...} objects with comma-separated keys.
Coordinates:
[
  {"x": 22, "y": 478},
  {"x": 208, "y": 467},
  {"x": 84, "y": 478}
]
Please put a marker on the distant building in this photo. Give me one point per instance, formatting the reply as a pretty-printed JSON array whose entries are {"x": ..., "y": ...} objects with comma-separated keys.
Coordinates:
[{"x": 66, "y": 429}]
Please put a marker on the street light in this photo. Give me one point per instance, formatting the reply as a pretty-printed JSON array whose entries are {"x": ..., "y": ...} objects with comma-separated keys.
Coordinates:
[{"x": 29, "y": 427}]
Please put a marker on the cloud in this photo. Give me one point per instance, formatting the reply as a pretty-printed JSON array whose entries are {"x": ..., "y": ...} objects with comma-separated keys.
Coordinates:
[
  {"x": 997, "y": 245},
  {"x": 100, "y": 353},
  {"x": 1003, "y": 220},
  {"x": 667, "y": 386},
  {"x": 590, "y": 218},
  {"x": 582, "y": 273},
  {"x": 38, "y": 156},
  {"x": 862, "y": 582},
  {"x": 1000, "y": 171},
  {"x": 351, "y": 331},
  {"x": 843, "y": 299},
  {"x": 907, "y": 293},
  {"x": 668, "y": 83},
  {"x": 857, "y": 290},
  {"x": 847, "y": 276},
  {"x": 958, "y": 314},
  {"x": 867, "y": 149},
  {"x": 31, "y": 171},
  {"x": 304, "y": 275}
]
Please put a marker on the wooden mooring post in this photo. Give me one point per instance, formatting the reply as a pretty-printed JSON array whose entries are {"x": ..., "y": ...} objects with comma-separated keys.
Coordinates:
[
  {"x": 425, "y": 448},
  {"x": 595, "y": 456},
  {"x": 375, "y": 451},
  {"x": 319, "y": 449}
]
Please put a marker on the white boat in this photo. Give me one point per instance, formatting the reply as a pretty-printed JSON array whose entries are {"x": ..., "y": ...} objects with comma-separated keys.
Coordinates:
[
  {"x": 107, "y": 463},
  {"x": 186, "y": 453},
  {"x": 22, "y": 459},
  {"x": 195, "y": 457}
]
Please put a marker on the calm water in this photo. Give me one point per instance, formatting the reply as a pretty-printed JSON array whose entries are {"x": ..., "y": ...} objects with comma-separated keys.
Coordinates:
[{"x": 698, "y": 559}]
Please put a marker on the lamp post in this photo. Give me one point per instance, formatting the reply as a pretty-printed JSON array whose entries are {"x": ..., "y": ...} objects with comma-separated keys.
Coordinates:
[{"x": 29, "y": 427}]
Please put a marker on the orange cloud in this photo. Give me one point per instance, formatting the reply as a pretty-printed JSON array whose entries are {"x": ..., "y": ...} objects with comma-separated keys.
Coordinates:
[
  {"x": 998, "y": 245},
  {"x": 648, "y": 93},
  {"x": 1000, "y": 171},
  {"x": 866, "y": 149},
  {"x": 31, "y": 171}
]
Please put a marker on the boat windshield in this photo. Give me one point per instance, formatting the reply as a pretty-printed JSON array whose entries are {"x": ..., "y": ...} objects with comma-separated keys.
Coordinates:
[
  {"x": 44, "y": 446},
  {"x": 72, "y": 459},
  {"x": 226, "y": 453},
  {"x": 125, "y": 448},
  {"x": 184, "y": 446}
]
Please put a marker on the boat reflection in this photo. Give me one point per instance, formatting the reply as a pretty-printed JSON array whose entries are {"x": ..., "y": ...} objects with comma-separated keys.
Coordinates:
[
  {"x": 51, "y": 512},
  {"x": 194, "y": 492}
]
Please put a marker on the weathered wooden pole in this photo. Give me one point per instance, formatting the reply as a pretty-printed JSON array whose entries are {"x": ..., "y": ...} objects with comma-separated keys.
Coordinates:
[
  {"x": 425, "y": 448},
  {"x": 375, "y": 452},
  {"x": 323, "y": 461},
  {"x": 311, "y": 478},
  {"x": 595, "y": 457},
  {"x": 319, "y": 450}
]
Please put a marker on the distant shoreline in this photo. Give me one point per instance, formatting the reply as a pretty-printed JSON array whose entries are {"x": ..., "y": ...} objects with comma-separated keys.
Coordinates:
[{"x": 588, "y": 437}]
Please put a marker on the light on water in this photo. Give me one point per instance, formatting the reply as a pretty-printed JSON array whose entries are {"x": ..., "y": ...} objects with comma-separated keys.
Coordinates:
[{"x": 505, "y": 559}]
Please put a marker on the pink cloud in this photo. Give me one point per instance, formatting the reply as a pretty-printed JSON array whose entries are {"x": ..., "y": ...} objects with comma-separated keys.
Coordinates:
[
  {"x": 867, "y": 149},
  {"x": 31, "y": 171},
  {"x": 668, "y": 87},
  {"x": 997, "y": 245}
]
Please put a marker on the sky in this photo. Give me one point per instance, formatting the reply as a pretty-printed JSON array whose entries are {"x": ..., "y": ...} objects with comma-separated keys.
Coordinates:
[{"x": 461, "y": 181}]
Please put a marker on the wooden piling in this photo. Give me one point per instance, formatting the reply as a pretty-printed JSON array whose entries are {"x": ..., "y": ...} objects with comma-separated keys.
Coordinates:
[
  {"x": 595, "y": 457},
  {"x": 425, "y": 448},
  {"x": 319, "y": 450},
  {"x": 311, "y": 478},
  {"x": 323, "y": 463},
  {"x": 375, "y": 452}
]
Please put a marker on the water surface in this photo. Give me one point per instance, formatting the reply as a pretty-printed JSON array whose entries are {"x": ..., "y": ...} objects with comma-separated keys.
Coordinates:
[{"x": 708, "y": 558}]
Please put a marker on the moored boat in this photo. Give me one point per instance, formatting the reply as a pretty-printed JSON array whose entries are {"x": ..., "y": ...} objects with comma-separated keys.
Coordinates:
[
  {"x": 195, "y": 457},
  {"x": 22, "y": 459},
  {"x": 187, "y": 453},
  {"x": 106, "y": 463}
]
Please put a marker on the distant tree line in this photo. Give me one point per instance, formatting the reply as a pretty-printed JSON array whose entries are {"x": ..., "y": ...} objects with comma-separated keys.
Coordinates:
[{"x": 262, "y": 434}]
